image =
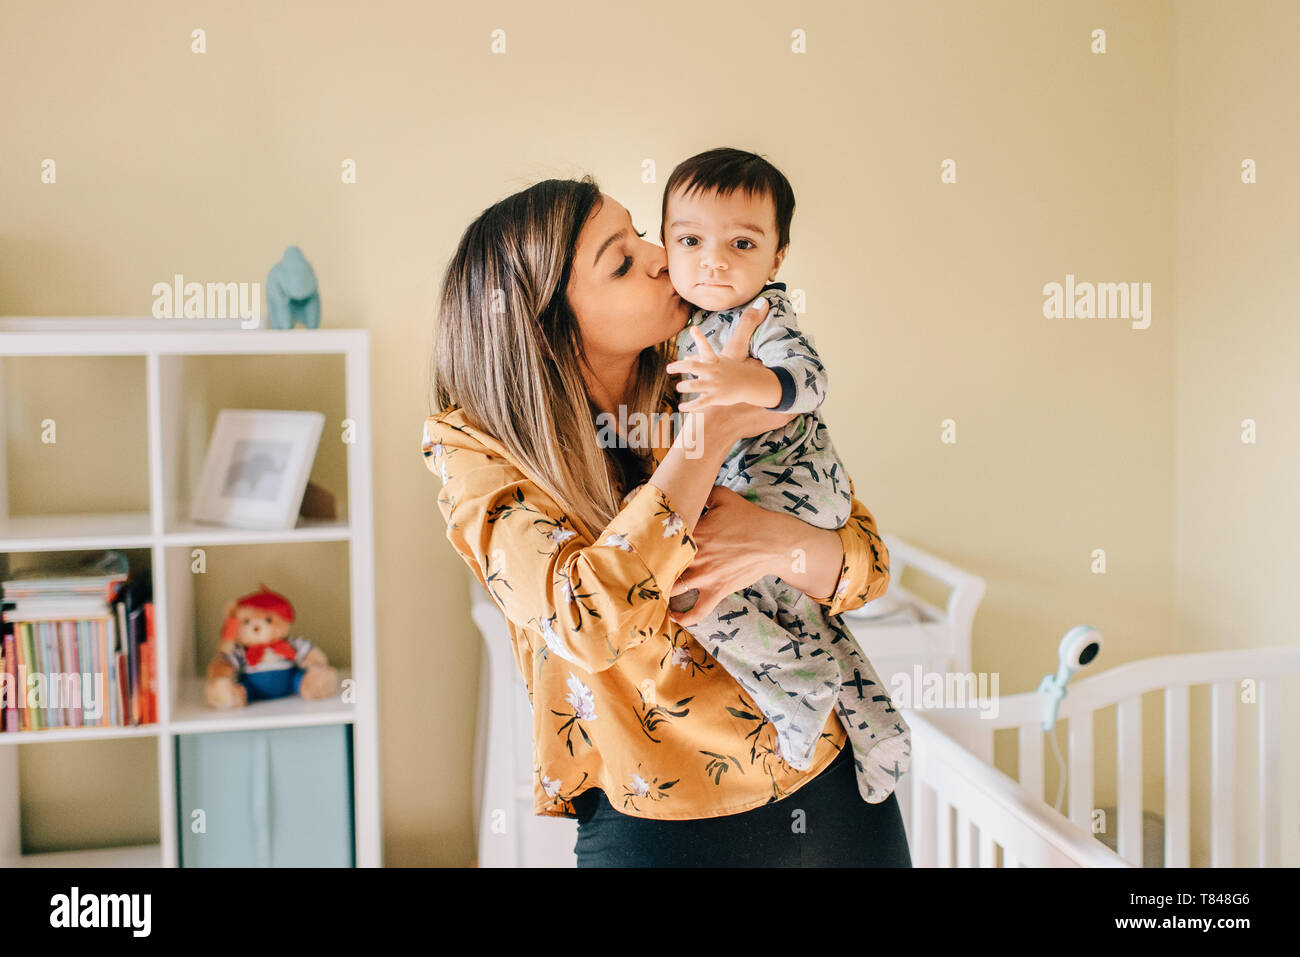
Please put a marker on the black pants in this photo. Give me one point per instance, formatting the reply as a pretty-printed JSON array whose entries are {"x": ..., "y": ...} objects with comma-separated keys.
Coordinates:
[{"x": 837, "y": 829}]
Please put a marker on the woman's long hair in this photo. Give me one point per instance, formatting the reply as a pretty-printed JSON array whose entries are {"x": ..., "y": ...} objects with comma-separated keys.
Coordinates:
[{"x": 508, "y": 350}]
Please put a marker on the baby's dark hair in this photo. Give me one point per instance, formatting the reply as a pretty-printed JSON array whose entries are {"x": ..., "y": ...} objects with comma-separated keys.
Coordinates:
[{"x": 724, "y": 170}]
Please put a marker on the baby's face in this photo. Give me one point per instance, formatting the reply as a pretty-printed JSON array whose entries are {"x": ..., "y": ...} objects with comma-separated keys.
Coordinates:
[{"x": 721, "y": 250}]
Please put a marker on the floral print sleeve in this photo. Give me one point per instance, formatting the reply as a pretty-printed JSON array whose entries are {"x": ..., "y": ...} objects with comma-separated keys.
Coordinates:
[
  {"x": 622, "y": 697},
  {"x": 589, "y": 600},
  {"x": 864, "y": 573}
]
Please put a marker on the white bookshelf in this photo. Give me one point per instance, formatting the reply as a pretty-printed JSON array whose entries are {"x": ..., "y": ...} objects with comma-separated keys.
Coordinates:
[{"x": 166, "y": 533}]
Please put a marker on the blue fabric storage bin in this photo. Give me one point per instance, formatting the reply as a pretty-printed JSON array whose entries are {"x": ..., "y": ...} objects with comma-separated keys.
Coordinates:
[{"x": 277, "y": 797}]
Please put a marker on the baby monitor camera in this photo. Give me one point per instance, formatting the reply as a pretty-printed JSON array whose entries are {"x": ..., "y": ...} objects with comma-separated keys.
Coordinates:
[{"x": 1078, "y": 649}]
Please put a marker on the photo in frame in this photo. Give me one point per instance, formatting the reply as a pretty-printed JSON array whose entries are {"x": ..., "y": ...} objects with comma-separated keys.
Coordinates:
[{"x": 256, "y": 468}]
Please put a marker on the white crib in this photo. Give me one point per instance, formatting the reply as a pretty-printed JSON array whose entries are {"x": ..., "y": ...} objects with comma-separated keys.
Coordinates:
[
  {"x": 958, "y": 808},
  {"x": 963, "y": 807}
]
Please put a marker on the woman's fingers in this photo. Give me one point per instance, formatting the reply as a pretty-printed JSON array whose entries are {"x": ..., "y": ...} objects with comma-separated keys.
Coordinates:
[
  {"x": 683, "y": 601},
  {"x": 737, "y": 347},
  {"x": 707, "y": 600}
]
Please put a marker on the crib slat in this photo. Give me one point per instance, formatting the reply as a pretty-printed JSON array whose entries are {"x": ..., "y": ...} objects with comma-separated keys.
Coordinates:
[
  {"x": 1031, "y": 759},
  {"x": 1079, "y": 761},
  {"x": 963, "y": 838},
  {"x": 1223, "y": 817},
  {"x": 1177, "y": 778},
  {"x": 987, "y": 858},
  {"x": 943, "y": 833},
  {"x": 1270, "y": 773},
  {"x": 923, "y": 817},
  {"x": 903, "y": 794},
  {"x": 1128, "y": 760}
]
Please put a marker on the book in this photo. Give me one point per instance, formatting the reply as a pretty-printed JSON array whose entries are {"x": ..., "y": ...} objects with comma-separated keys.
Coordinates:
[
  {"x": 31, "y": 715},
  {"x": 56, "y": 610},
  {"x": 83, "y": 633},
  {"x": 150, "y": 671},
  {"x": 11, "y": 669}
]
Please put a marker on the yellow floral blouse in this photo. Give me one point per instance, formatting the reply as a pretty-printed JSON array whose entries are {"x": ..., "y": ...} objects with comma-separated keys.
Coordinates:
[{"x": 623, "y": 697}]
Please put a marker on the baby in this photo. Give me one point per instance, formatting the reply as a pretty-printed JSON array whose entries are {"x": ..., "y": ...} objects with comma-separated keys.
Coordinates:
[{"x": 726, "y": 229}]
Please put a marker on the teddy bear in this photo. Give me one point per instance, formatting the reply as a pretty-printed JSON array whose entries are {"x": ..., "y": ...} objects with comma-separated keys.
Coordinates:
[{"x": 258, "y": 659}]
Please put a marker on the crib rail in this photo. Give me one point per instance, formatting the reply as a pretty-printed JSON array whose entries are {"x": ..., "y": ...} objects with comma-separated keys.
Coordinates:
[
  {"x": 964, "y": 593},
  {"x": 1123, "y": 686},
  {"x": 990, "y": 809}
]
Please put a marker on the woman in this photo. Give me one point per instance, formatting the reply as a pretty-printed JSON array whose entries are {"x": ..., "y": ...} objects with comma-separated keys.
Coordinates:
[{"x": 556, "y": 318}]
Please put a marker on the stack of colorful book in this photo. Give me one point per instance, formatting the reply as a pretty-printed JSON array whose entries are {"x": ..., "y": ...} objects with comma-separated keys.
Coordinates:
[{"x": 79, "y": 647}]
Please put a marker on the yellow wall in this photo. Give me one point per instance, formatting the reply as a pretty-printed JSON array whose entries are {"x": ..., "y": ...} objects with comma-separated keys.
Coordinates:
[
  {"x": 1237, "y": 512},
  {"x": 926, "y": 298}
]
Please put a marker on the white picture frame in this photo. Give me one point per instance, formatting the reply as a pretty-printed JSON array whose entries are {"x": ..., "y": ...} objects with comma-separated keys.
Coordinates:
[{"x": 256, "y": 468}]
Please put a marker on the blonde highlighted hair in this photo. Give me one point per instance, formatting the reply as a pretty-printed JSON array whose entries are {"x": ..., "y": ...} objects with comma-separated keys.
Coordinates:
[{"x": 508, "y": 350}]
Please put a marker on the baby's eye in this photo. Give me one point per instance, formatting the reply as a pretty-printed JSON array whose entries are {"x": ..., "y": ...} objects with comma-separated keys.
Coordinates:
[
  {"x": 750, "y": 246},
  {"x": 684, "y": 242}
]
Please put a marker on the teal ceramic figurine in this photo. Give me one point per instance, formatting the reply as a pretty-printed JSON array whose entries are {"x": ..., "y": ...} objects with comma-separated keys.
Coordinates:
[{"x": 291, "y": 292}]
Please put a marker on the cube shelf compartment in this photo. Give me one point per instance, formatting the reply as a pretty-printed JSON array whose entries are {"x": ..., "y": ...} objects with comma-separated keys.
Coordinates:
[{"x": 183, "y": 365}]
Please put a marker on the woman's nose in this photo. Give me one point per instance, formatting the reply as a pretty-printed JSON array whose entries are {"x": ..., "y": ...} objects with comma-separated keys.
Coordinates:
[{"x": 657, "y": 259}]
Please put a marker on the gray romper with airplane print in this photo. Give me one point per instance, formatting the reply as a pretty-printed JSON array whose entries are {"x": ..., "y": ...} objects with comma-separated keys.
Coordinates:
[{"x": 795, "y": 661}]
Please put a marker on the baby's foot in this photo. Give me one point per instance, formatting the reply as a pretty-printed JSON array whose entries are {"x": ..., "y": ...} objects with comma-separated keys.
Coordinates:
[{"x": 792, "y": 754}]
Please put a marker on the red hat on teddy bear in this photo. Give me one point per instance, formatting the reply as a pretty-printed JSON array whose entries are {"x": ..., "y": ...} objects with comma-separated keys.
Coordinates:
[{"x": 271, "y": 601}]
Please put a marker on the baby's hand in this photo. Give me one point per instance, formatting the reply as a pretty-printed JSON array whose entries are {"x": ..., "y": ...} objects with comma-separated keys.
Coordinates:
[{"x": 724, "y": 380}]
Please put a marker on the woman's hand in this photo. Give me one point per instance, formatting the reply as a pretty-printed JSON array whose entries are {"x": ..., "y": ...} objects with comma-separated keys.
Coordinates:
[
  {"x": 719, "y": 427},
  {"x": 745, "y": 420},
  {"x": 733, "y": 540},
  {"x": 743, "y": 542}
]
